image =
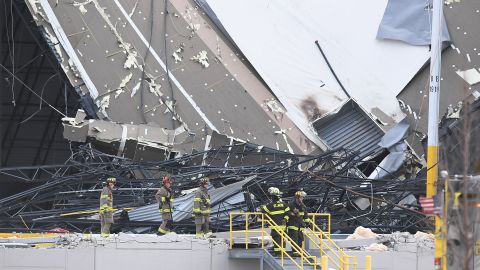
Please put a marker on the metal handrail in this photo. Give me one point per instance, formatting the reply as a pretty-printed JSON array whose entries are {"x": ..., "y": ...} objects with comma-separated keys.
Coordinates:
[
  {"x": 329, "y": 220},
  {"x": 304, "y": 255},
  {"x": 321, "y": 249},
  {"x": 339, "y": 253}
]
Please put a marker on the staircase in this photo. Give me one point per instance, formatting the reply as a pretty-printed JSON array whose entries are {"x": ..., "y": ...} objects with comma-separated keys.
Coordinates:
[
  {"x": 325, "y": 247},
  {"x": 267, "y": 258}
]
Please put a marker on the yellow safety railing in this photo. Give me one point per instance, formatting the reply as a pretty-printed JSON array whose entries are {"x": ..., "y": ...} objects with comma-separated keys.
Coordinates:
[
  {"x": 337, "y": 256},
  {"x": 247, "y": 231},
  {"x": 266, "y": 220},
  {"x": 328, "y": 249},
  {"x": 316, "y": 216}
]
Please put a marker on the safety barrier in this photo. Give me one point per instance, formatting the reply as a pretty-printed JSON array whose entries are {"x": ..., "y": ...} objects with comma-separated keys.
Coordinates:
[
  {"x": 304, "y": 257},
  {"x": 329, "y": 251},
  {"x": 316, "y": 216}
]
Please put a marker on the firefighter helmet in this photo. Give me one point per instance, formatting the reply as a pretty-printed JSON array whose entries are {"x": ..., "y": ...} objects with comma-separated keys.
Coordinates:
[
  {"x": 274, "y": 191},
  {"x": 166, "y": 180},
  {"x": 111, "y": 180},
  {"x": 300, "y": 193},
  {"x": 204, "y": 181}
]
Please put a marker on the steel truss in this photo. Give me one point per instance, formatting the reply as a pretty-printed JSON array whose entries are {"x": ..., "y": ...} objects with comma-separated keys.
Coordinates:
[{"x": 332, "y": 180}]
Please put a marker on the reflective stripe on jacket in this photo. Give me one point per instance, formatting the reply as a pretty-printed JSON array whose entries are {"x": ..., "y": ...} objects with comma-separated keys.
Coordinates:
[
  {"x": 106, "y": 200},
  {"x": 164, "y": 198},
  {"x": 277, "y": 211},
  {"x": 201, "y": 202},
  {"x": 298, "y": 216}
]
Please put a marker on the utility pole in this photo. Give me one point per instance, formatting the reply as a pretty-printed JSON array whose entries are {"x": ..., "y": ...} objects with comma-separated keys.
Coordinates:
[{"x": 433, "y": 119}]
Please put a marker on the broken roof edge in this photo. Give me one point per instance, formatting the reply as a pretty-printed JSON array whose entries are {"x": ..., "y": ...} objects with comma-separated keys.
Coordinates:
[
  {"x": 301, "y": 137},
  {"x": 350, "y": 104},
  {"x": 258, "y": 89},
  {"x": 66, "y": 45}
]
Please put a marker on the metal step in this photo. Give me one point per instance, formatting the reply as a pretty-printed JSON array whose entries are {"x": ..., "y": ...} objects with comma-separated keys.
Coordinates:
[
  {"x": 274, "y": 261},
  {"x": 289, "y": 265}
]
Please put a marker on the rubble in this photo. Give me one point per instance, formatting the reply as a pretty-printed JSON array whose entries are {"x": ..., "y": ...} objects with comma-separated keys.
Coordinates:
[
  {"x": 362, "y": 233},
  {"x": 376, "y": 247}
]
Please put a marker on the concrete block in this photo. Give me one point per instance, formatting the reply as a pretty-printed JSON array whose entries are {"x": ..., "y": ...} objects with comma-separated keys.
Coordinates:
[
  {"x": 81, "y": 258},
  {"x": 31, "y": 258}
]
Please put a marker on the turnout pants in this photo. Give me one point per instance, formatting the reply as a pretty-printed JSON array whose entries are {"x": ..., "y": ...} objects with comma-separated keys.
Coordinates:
[
  {"x": 202, "y": 223},
  {"x": 277, "y": 238},
  {"x": 106, "y": 221},
  {"x": 166, "y": 225},
  {"x": 296, "y": 236}
]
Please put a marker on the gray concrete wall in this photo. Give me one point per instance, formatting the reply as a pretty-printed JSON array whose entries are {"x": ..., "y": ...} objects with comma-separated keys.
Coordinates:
[
  {"x": 173, "y": 252},
  {"x": 129, "y": 253}
]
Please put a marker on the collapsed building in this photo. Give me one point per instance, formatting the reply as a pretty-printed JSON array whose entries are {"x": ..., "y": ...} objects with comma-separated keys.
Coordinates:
[{"x": 191, "y": 88}]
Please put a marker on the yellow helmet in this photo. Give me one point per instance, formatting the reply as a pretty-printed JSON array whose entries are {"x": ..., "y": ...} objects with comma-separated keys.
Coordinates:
[
  {"x": 111, "y": 180},
  {"x": 300, "y": 193}
]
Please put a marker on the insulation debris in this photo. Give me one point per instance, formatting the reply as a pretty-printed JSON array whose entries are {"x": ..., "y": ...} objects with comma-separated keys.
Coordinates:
[
  {"x": 449, "y": 2},
  {"x": 362, "y": 233},
  {"x": 154, "y": 88},
  {"x": 422, "y": 235},
  {"x": 103, "y": 105},
  {"x": 131, "y": 61},
  {"x": 133, "y": 9},
  {"x": 193, "y": 27},
  {"x": 81, "y": 5},
  {"x": 454, "y": 112},
  {"x": 471, "y": 76},
  {"x": 274, "y": 106},
  {"x": 177, "y": 54},
  {"x": 135, "y": 89},
  {"x": 377, "y": 247},
  {"x": 123, "y": 83},
  {"x": 201, "y": 58},
  {"x": 407, "y": 242}
]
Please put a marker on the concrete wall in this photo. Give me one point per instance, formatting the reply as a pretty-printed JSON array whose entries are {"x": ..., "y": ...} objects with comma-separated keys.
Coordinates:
[
  {"x": 174, "y": 252},
  {"x": 129, "y": 253}
]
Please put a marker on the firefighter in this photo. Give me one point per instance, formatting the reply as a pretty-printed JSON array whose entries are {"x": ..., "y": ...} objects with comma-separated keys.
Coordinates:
[
  {"x": 298, "y": 219},
  {"x": 164, "y": 198},
  {"x": 201, "y": 208},
  {"x": 106, "y": 206},
  {"x": 277, "y": 210}
]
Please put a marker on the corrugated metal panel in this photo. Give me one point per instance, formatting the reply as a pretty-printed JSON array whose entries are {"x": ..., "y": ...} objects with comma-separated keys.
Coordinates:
[
  {"x": 183, "y": 205},
  {"x": 351, "y": 128}
]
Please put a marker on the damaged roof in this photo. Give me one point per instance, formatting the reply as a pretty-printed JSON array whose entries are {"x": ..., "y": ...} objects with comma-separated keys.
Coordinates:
[{"x": 144, "y": 63}]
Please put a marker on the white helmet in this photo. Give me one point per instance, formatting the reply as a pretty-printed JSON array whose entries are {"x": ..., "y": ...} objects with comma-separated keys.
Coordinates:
[{"x": 274, "y": 191}]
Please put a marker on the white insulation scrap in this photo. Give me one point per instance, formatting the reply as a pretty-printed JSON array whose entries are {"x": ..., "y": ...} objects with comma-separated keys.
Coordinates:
[
  {"x": 103, "y": 104},
  {"x": 155, "y": 88},
  {"x": 133, "y": 9},
  {"x": 135, "y": 89},
  {"x": 177, "y": 54},
  {"x": 471, "y": 76},
  {"x": 128, "y": 48},
  {"x": 81, "y": 5},
  {"x": 201, "y": 58},
  {"x": 123, "y": 83},
  {"x": 131, "y": 61},
  {"x": 274, "y": 106},
  {"x": 176, "y": 57}
]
